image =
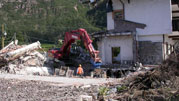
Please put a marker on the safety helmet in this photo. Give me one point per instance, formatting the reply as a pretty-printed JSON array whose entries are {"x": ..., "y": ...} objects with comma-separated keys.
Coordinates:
[{"x": 80, "y": 65}]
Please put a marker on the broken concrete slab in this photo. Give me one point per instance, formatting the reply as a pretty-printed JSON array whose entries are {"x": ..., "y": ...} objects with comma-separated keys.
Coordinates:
[
  {"x": 17, "y": 53},
  {"x": 85, "y": 98},
  {"x": 25, "y": 59}
]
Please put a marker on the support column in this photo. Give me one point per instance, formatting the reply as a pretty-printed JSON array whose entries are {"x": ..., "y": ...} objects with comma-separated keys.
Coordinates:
[{"x": 135, "y": 47}]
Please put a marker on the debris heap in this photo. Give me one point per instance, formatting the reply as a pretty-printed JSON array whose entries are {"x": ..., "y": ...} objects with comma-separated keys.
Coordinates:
[
  {"x": 156, "y": 84},
  {"x": 24, "y": 59}
]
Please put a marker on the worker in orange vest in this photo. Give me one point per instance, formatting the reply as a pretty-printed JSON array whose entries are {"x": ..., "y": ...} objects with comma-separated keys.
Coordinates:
[{"x": 80, "y": 70}]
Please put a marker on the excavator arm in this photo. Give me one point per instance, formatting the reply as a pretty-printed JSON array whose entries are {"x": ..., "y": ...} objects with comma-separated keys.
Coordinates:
[{"x": 71, "y": 37}]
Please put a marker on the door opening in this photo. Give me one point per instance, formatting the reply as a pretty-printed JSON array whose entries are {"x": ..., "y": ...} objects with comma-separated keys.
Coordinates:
[{"x": 116, "y": 57}]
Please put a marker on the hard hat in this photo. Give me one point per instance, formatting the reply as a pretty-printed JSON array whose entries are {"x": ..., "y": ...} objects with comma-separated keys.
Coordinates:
[{"x": 80, "y": 65}]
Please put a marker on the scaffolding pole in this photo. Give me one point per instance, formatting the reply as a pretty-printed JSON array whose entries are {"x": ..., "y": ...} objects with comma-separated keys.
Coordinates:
[{"x": 3, "y": 38}]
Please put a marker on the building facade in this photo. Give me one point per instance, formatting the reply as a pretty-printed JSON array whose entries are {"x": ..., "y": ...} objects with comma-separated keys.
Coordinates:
[{"x": 137, "y": 30}]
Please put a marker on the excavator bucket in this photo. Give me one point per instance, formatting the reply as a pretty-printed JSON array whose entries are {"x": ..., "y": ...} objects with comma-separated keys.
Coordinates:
[{"x": 96, "y": 64}]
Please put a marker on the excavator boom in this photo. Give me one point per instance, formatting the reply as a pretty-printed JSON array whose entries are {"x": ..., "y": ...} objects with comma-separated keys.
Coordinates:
[{"x": 70, "y": 37}]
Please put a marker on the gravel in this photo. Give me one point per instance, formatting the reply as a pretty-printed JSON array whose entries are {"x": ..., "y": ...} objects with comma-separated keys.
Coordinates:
[
  {"x": 13, "y": 90},
  {"x": 24, "y": 87}
]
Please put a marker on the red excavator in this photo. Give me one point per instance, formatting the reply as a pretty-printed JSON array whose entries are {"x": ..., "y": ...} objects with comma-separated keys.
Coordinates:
[{"x": 70, "y": 37}]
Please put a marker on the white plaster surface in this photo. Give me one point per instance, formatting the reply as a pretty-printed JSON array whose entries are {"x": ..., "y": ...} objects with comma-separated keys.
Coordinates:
[
  {"x": 156, "y": 14},
  {"x": 110, "y": 21},
  {"x": 153, "y": 38},
  {"x": 106, "y": 44}
]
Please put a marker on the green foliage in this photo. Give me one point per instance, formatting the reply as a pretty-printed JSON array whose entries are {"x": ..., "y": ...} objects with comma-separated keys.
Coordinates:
[
  {"x": 98, "y": 15},
  {"x": 47, "y": 20},
  {"x": 121, "y": 88},
  {"x": 103, "y": 91},
  {"x": 116, "y": 51},
  {"x": 46, "y": 47}
]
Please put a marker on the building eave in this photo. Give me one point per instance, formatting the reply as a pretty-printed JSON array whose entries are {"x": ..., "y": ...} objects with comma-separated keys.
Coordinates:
[{"x": 111, "y": 33}]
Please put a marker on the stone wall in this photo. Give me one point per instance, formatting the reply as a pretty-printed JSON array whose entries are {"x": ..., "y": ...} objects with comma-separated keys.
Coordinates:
[{"x": 150, "y": 52}]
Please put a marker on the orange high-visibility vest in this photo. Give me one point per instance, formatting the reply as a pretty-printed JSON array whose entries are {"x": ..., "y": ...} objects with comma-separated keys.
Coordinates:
[{"x": 80, "y": 70}]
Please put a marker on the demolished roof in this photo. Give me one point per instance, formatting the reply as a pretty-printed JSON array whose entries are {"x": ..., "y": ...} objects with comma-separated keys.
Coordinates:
[{"x": 121, "y": 27}]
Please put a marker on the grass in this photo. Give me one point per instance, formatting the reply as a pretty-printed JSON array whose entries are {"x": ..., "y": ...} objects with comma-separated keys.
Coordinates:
[
  {"x": 121, "y": 88},
  {"x": 103, "y": 91},
  {"x": 46, "y": 47}
]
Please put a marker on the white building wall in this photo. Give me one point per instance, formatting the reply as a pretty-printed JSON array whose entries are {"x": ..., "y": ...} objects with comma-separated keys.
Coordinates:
[
  {"x": 153, "y": 38},
  {"x": 110, "y": 21},
  {"x": 125, "y": 44},
  {"x": 156, "y": 14}
]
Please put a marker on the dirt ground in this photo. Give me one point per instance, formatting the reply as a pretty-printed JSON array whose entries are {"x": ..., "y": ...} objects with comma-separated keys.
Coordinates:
[
  {"x": 32, "y": 88},
  {"x": 60, "y": 81},
  {"x": 153, "y": 84},
  {"x": 14, "y": 90}
]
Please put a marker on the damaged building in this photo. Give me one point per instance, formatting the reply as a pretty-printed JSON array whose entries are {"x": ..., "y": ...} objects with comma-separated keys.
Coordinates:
[{"x": 138, "y": 31}]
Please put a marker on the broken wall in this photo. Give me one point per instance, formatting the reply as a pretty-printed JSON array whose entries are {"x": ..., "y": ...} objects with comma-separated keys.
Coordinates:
[
  {"x": 153, "y": 49},
  {"x": 150, "y": 52},
  {"x": 169, "y": 45}
]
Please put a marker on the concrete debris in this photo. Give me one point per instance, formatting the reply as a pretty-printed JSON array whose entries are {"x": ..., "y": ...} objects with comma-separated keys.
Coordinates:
[
  {"x": 85, "y": 98},
  {"x": 149, "y": 83},
  {"x": 9, "y": 47},
  {"x": 64, "y": 71},
  {"x": 24, "y": 59},
  {"x": 40, "y": 90},
  {"x": 21, "y": 51}
]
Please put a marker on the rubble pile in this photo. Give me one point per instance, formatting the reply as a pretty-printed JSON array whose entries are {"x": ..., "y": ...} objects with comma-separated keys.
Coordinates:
[
  {"x": 158, "y": 84},
  {"x": 33, "y": 90},
  {"x": 156, "y": 76},
  {"x": 24, "y": 59},
  {"x": 79, "y": 55}
]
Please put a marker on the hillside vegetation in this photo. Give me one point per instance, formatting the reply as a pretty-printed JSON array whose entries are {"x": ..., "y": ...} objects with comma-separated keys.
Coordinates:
[{"x": 47, "y": 20}]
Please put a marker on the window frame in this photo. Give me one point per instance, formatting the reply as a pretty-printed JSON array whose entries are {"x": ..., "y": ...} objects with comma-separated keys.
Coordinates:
[{"x": 118, "y": 11}]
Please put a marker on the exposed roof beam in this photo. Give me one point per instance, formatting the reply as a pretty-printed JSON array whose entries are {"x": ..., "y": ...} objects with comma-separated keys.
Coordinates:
[
  {"x": 175, "y": 11},
  {"x": 175, "y": 38},
  {"x": 175, "y": 18}
]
